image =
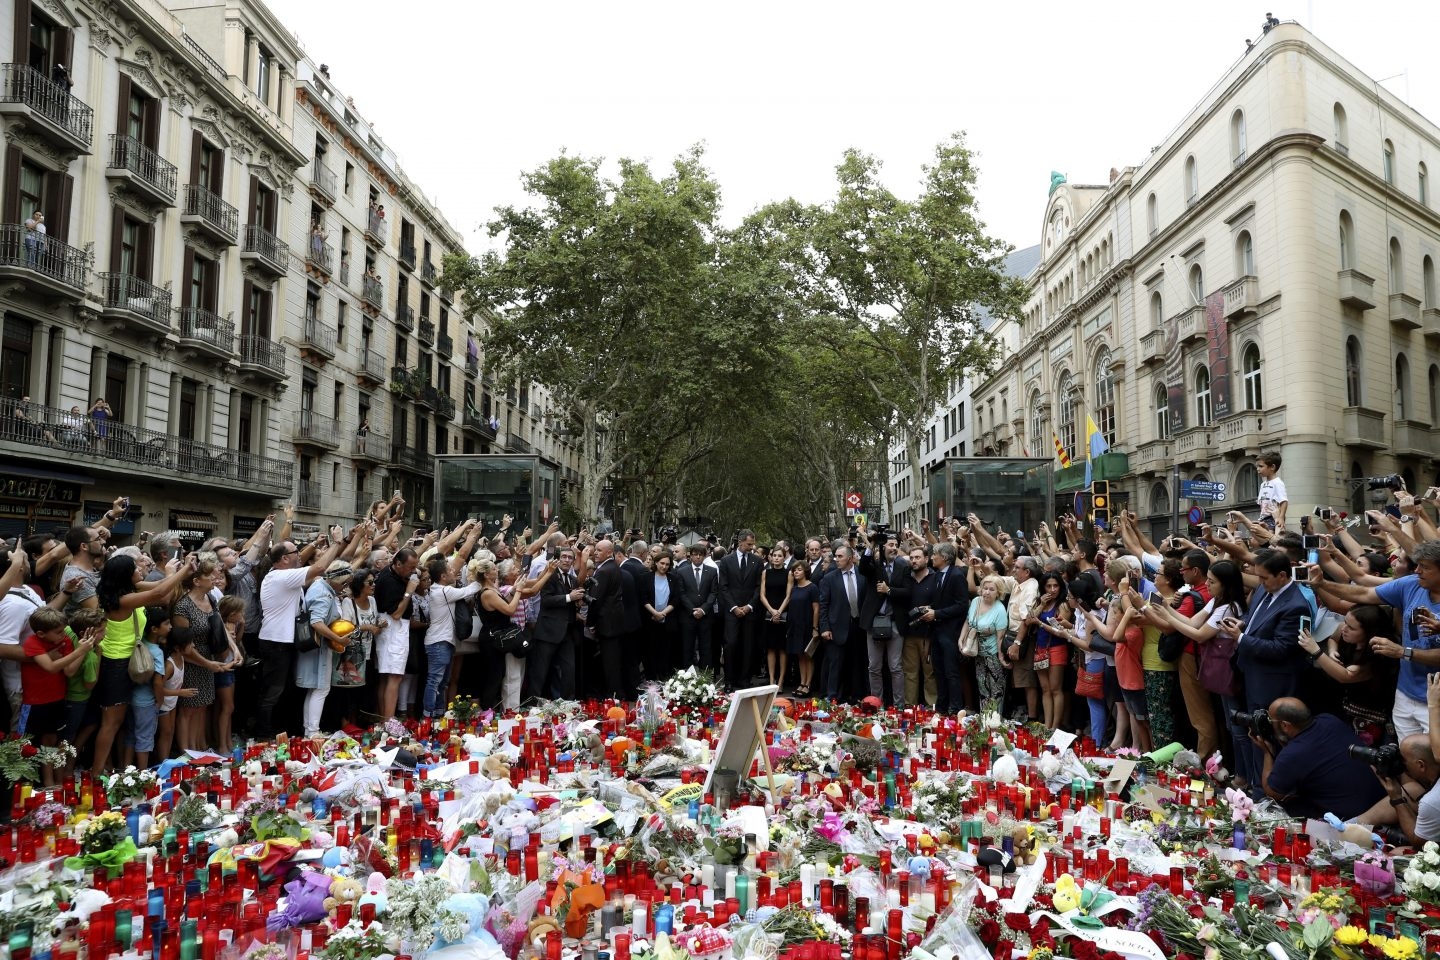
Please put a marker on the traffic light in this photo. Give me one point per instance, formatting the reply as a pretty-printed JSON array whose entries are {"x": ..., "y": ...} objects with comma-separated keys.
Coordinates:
[{"x": 1100, "y": 503}]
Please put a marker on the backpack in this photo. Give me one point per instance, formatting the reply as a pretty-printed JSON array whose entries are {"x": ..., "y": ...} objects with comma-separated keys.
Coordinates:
[
  {"x": 1173, "y": 643},
  {"x": 464, "y": 619}
]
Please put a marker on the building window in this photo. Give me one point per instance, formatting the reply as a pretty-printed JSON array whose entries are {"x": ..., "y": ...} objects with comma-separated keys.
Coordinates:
[
  {"x": 1434, "y": 394},
  {"x": 1427, "y": 270},
  {"x": 1038, "y": 439},
  {"x": 1245, "y": 254},
  {"x": 1247, "y": 483},
  {"x": 1162, "y": 412},
  {"x": 1237, "y": 135},
  {"x": 15, "y": 358},
  {"x": 1157, "y": 311},
  {"x": 1066, "y": 419},
  {"x": 1397, "y": 267},
  {"x": 1202, "y": 396},
  {"x": 1192, "y": 180},
  {"x": 1159, "y": 500},
  {"x": 1250, "y": 367},
  {"x": 1342, "y": 130},
  {"x": 1152, "y": 214},
  {"x": 1197, "y": 283},
  {"x": 1402, "y": 387},
  {"x": 1422, "y": 185},
  {"x": 1388, "y": 152},
  {"x": 1105, "y": 397},
  {"x": 1353, "y": 395},
  {"x": 1347, "y": 241}
]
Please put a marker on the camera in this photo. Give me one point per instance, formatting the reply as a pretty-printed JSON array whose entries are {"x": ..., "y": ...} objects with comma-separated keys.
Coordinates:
[
  {"x": 589, "y": 587},
  {"x": 854, "y": 529},
  {"x": 669, "y": 535},
  {"x": 1390, "y": 482},
  {"x": 1385, "y": 760},
  {"x": 1256, "y": 722}
]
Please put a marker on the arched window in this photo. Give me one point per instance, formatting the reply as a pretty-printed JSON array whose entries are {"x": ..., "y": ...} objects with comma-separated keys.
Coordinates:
[
  {"x": 1202, "y": 396},
  {"x": 1427, "y": 269},
  {"x": 1159, "y": 500},
  {"x": 1250, "y": 367},
  {"x": 1247, "y": 484},
  {"x": 1434, "y": 394},
  {"x": 1105, "y": 397},
  {"x": 1422, "y": 184},
  {"x": 1237, "y": 136},
  {"x": 1192, "y": 180},
  {"x": 1347, "y": 241},
  {"x": 1197, "y": 283},
  {"x": 1157, "y": 311},
  {"x": 1039, "y": 436},
  {"x": 1342, "y": 130},
  {"x": 1066, "y": 419},
  {"x": 1162, "y": 412},
  {"x": 1388, "y": 161},
  {"x": 1152, "y": 214},
  {"x": 1353, "y": 396},
  {"x": 1397, "y": 267},
  {"x": 1402, "y": 387},
  {"x": 1245, "y": 254}
]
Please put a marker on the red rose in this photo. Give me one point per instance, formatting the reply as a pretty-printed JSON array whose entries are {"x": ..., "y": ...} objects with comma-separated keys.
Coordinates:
[
  {"x": 1084, "y": 949},
  {"x": 1018, "y": 922},
  {"x": 989, "y": 932},
  {"x": 28, "y": 750}
]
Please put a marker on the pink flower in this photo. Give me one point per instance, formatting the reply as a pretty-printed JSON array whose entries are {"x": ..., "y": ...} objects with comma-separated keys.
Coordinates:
[{"x": 831, "y": 828}]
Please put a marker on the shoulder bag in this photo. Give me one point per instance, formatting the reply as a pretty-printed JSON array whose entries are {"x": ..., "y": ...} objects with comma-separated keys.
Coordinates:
[{"x": 142, "y": 663}]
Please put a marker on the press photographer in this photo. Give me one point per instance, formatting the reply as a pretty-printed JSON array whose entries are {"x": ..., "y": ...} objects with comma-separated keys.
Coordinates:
[
  {"x": 1308, "y": 766},
  {"x": 1409, "y": 774}
]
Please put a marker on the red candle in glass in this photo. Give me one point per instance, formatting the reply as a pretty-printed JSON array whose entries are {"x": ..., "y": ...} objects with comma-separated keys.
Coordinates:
[{"x": 1177, "y": 881}]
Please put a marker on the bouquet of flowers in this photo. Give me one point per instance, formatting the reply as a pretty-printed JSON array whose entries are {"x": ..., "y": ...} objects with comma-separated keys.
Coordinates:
[
  {"x": 797, "y": 924},
  {"x": 415, "y": 909},
  {"x": 21, "y": 760},
  {"x": 340, "y": 746},
  {"x": 1422, "y": 876},
  {"x": 354, "y": 942},
  {"x": 195, "y": 813},
  {"x": 462, "y": 711},
  {"x": 692, "y": 689},
  {"x": 105, "y": 843},
  {"x": 128, "y": 785},
  {"x": 269, "y": 819}
]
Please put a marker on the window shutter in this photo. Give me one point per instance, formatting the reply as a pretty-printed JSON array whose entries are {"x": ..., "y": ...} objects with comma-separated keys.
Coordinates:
[
  {"x": 254, "y": 196},
  {"x": 67, "y": 50},
  {"x": 152, "y": 123},
  {"x": 186, "y": 279},
  {"x": 122, "y": 115},
  {"x": 67, "y": 193},
  {"x": 22, "y": 31},
  {"x": 197, "y": 145},
  {"x": 145, "y": 254},
  {"x": 13, "y": 158},
  {"x": 247, "y": 322},
  {"x": 212, "y": 286},
  {"x": 117, "y": 236}
]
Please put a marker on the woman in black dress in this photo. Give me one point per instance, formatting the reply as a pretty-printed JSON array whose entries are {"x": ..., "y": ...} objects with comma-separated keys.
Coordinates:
[
  {"x": 804, "y": 624},
  {"x": 775, "y": 597}
]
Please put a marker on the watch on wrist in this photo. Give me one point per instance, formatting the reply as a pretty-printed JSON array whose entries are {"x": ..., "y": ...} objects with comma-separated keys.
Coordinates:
[
  {"x": 1399, "y": 801},
  {"x": 1408, "y": 653}
]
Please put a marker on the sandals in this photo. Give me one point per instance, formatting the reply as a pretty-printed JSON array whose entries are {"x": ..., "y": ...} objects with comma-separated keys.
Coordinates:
[{"x": 803, "y": 690}]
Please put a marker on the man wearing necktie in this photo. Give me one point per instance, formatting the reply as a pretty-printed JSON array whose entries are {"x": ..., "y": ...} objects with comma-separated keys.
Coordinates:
[
  {"x": 840, "y": 595},
  {"x": 883, "y": 566},
  {"x": 698, "y": 590},
  {"x": 739, "y": 589},
  {"x": 552, "y": 661}
]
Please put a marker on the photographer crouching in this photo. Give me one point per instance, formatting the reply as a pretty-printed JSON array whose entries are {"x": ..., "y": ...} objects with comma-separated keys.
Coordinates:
[
  {"x": 1308, "y": 765},
  {"x": 1410, "y": 774}
]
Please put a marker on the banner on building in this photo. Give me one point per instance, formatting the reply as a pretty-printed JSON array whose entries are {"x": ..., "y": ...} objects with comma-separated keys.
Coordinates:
[{"x": 1217, "y": 339}]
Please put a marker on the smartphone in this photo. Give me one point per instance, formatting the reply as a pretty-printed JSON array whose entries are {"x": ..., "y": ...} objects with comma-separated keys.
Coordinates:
[
  {"x": 175, "y": 554},
  {"x": 1305, "y": 522},
  {"x": 1300, "y": 573},
  {"x": 1310, "y": 541},
  {"x": 1304, "y": 624},
  {"x": 1393, "y": 510},
  {"x": 124, "y": 503}
]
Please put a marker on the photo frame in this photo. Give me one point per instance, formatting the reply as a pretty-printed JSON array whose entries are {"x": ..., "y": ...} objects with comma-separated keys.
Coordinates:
[{"x": 744, "y": 733}]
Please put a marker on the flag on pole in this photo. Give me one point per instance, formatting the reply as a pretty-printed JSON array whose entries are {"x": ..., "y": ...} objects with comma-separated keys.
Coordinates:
[
  {"x": 1094, "y": 446},
  {"x": 1060, "y": 451}
]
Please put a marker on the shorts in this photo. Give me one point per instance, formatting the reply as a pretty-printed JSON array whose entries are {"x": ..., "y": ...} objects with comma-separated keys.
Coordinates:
[
  {"x": 140, "y": 726},
  {"x": 225, "y": 678},
  {"x": 1060, "y": 653},
  {"x": 1135, "y": 702},
  {"x": 38, "y": 719},
  {"x": 113, "y": 687},
  {"x": 392, "y": 648}
]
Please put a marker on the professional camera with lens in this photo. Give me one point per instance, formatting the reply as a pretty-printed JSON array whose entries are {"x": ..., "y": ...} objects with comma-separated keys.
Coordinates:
[
  {"x": 853, "y": 531},
  {"x": 589, "y": 586},
  {"x": 1256, "y": 722},
  {"x": 1391, "y": 482},
  {"x": 1384, "y": 760},
  {"x": 669, "y": 535},
  {"x": 880, "y": 532}
]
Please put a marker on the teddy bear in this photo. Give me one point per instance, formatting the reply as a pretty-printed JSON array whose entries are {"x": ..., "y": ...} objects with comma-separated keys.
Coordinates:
[
  {"x": 343, "y": 890},
  {"x": 496, "y": 767},
  {"x": 1023, "y": 840}
]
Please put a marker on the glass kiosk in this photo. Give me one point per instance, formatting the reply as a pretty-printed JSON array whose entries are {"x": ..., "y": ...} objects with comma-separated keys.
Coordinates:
[
  {"x": 1007, "y": 493},
  {"x": 490, "y": 485}
]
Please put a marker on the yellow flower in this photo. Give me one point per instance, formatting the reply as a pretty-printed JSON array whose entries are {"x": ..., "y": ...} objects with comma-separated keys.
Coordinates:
[
  {"x": 1401, "y": 948},
  {"x": 1351, "y": 936},
  {"x": 1377, "y": 940}
]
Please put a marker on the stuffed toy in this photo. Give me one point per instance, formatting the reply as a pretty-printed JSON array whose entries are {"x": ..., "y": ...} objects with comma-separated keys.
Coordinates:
[
  {"x": 305, "y": 901},
  {"x": 496, "y": 767},
  {"x": 343, "y": 890},
  {"x": 1023, "y": 839}
]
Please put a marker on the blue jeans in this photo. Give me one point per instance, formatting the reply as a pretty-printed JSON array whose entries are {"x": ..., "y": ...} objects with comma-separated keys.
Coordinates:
[
  {"x": 1248, "y": 761},
  {"x": 437, "y": 676}
]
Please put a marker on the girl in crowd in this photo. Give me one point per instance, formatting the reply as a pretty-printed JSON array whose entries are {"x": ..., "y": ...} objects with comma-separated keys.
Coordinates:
[
  {"x": 803, "y": 624},
  {"x": 775, "y": 597},
  {"x": 196, "y": 614},
  {"x": 176, "y": 646},
  {"x": 1051, "y": 649}
]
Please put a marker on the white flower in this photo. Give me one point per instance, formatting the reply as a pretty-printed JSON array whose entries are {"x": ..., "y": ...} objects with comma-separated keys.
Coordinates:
[
  {"x": 1431, "y": 881},
  {"x": 1432, "y": 854}
]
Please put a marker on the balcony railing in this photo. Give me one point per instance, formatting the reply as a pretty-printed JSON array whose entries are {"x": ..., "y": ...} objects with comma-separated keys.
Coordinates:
[
  {"x": 446, "y": 407},
  {"x": 444, "y": 345},
  {"x": 364, "y": 500},
  {"x": 481, "y": 424},
  {"x": 44, "y": 255},
  {"x": 428, "y": 273},
  {"x": 320, "y": 256},
  {"x": 207, "y": 209},
  {"x": 323, "y": 180},
  {"x": 201, "y": 328},
  {"x": 373, "y": 291},
  {"x": 132, "y": 295},
  {"x": 319, "y": 336},
  {"x": 372, "y": 365},
  {"x": 307, "y": 494},
  {"x": 372, "y": 446},
  {"x": 407, "y": 456},
  {"x": 425, "y": 333},
  {"x": 27, "y": 87},
  {"x": 145, "y": 165},
  {"x": 314, "y": 428},
  {"x": 407, "y": 255},
  {"x": 53, "y": 432},
  {"x": 266, "y": 248},
  {"x": 375, "y": 229},
  {"x": 428, "y": 397},
  {"x": 472, "y": 366},
  {"x": 263, "y": 354},
  {"x": 404, "y": 316}
]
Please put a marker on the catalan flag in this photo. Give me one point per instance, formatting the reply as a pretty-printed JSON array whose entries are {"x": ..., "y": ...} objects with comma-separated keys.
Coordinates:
[{"x": 1060, "y": 451}]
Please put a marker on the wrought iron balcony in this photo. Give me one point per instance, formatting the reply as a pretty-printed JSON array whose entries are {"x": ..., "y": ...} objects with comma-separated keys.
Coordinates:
[
  {"x": 428, "y": 273},
  {"x": 324, "y": 184},
  {"x": 49, "y": 107},
  {"x": 428, "y": 397},
  {"x": 262, "y": 356},
  {"x": 51, "y": 433},
  {"x": 315, "y": 430},
  {"x": 446, "y": 407},
  {"x": 374, "y": 447},
  {"x": 207, "y": 332},
  {"x": 444, "y": 345},
  {"x": 133, "y": 300},
  {"x": 404, "y": 316},
  {"x": 425, "y": 333},
  {"x": 407, "y": 457},
  {"x": 320, "y": 256},
  {"x": 307, "y": 494},
  {"x": 318, "y": 337},
  {"x": 148, "y": 172},
  {"x": 215, "y": 218},
  {"x": 472, "y": 366},
  {"x": 376, "y": 229},
  {"x": 479, "y": 424},
  {"x": 372, "y": 365},
  {"x": 407, "y": 255},
  {"x": 364, "y": 500},
  {"x": 265, "y": 250},
  {"x": 42, "y": 261},
  {"x": 373, "y": 292}
]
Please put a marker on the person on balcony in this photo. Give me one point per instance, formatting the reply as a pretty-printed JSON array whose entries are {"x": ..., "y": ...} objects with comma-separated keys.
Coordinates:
[
  {"x": 26, "y": 427},
  {"x": 34, "y": 239},
  {"x": 100, "y": 414}
]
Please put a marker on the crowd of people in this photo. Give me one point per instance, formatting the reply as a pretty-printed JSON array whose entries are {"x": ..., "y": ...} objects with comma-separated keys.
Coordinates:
[{"x": 1281, "y": 649}]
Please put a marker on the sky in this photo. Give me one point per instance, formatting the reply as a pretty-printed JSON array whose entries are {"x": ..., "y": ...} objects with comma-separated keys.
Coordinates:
[{"x": 471, "y": 93}]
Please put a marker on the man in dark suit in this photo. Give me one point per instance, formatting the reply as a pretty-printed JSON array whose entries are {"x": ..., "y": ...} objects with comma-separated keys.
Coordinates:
[
  {"x": 739, "y": 589},
  {"x": 881, "y": 566},
  {"x": 951, "y": 605},
  {"x": 551, "y": 663},
  {"x": 634, "y": 573},
  {"x": 698, "y": 591},
  {"x": 607, "y": 616},
  {"x": 815, "y": 559},
  {"x": 1269, "y": 657},
  {"x": 840, "y": 594}
]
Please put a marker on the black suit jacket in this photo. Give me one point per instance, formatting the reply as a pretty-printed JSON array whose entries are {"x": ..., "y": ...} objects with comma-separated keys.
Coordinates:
[
  {"x": 607, "y": 608},
  {"x": 557, "y": 613},
  {"x": 694, "y": 593},
  {"x": 739, "y": 588},
  {"x": 633, "y": 572},
  {"x": 952, "y": 603},
  {"x": 646, "y": 590},
  {"x": 873, "y": 569},
  {"x": 835, "y": 604}
]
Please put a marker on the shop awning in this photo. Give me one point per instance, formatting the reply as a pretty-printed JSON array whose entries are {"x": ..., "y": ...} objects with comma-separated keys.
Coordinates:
[
  {"x": 193, "y": 520},
  {"x": 1107, "y": 466}
]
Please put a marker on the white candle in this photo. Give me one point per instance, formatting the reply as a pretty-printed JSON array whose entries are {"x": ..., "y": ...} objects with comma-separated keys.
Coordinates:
[
  {"x": 927, "y": 900},
  {"x": 729, "y": 884},
  {"x": 640, "y": 925},
  {"x": 807, "y": 883},
  {"x": 707, "y": 876}
]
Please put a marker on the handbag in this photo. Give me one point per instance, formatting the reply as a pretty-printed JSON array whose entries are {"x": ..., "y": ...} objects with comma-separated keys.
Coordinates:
[
  {"x": 142, "y": 662},
  {"x": 1090, "y": 683},
  {"x": 464, "y": 619},
  {"x": 1171, "y": 646},
  {"x": 970, "y": 643},
  {"x": 514, "y": 640},
  {"x": 883, "y": 627},
  {"x": 1215, "y": 671}
]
